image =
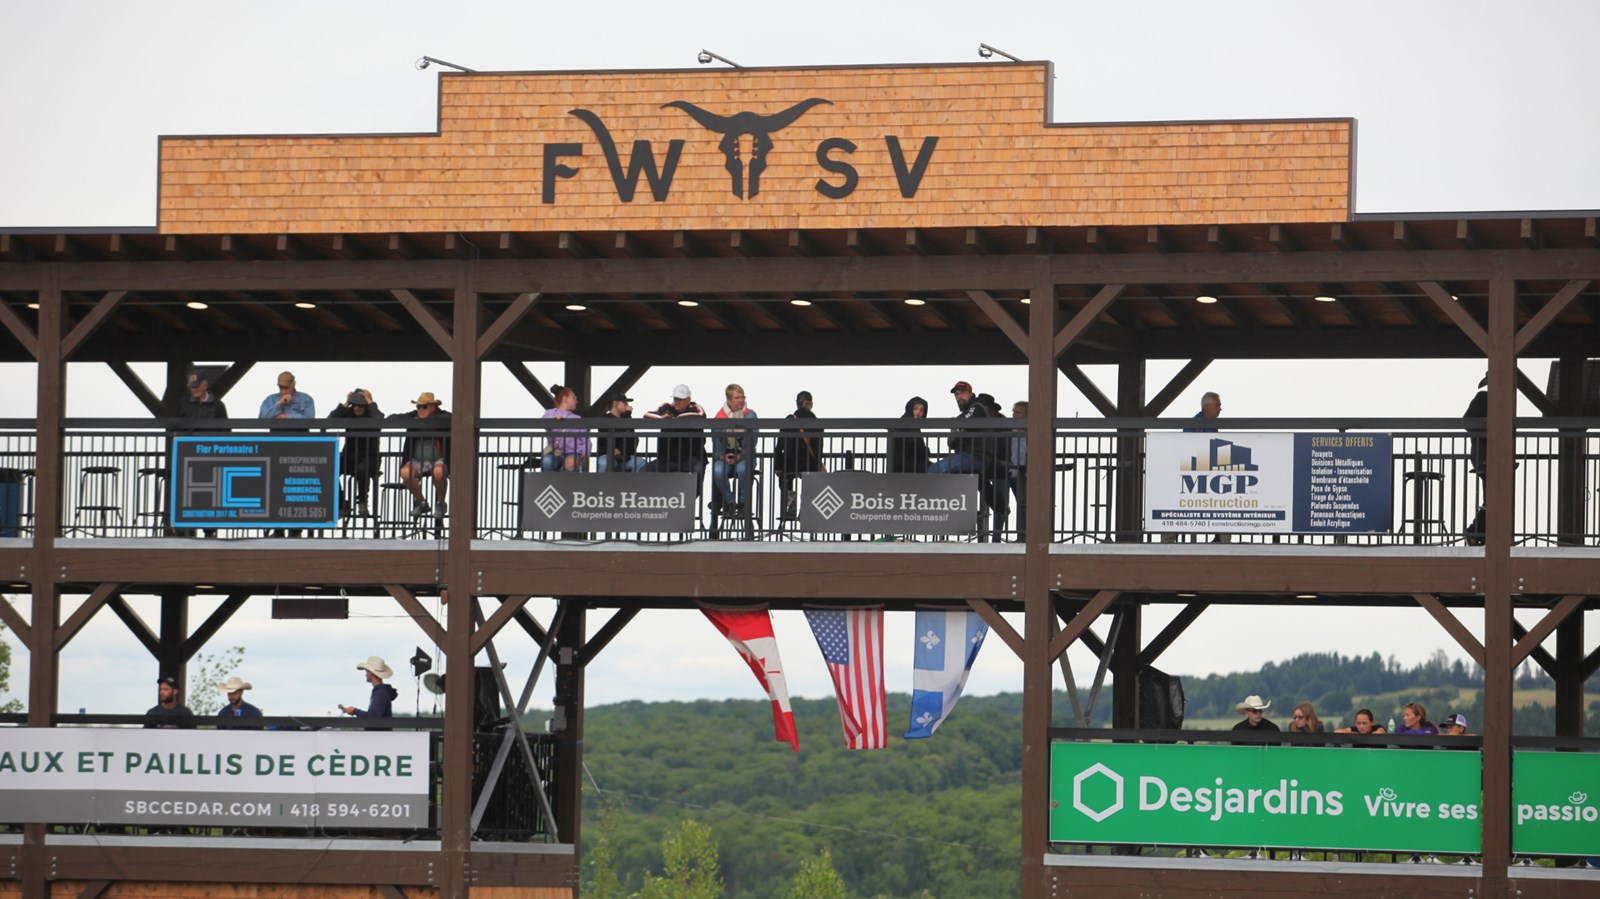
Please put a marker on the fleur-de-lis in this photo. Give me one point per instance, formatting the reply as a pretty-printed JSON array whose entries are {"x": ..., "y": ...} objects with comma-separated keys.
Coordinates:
[
  {"x": 929, "y": 640},
  {"x": 925, "y": 718}
]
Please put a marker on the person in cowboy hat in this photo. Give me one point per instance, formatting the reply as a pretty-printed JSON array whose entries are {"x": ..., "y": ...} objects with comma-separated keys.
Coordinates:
[
  {"x": 1253, "y": 709},
  {"x": 383, "y": 696},
  {"x": 426, "y": 450},
  {"x": 236, "y": 707}
]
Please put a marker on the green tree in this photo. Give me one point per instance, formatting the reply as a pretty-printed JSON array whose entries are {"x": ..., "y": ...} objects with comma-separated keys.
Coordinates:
[
  {"x": 690, "y": 866},
  {"x": 13, "y": 705},
  {"x": 203, "y": 697},
  {"x": 603, "y": 880},
  {"x": 817, "y": 879}
]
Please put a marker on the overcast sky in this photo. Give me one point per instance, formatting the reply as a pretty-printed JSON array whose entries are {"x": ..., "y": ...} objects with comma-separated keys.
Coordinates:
[{"x": 1461, "y": 106}]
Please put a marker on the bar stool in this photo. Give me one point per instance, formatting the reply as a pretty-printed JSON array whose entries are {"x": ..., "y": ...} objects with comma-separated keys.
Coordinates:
[
  {"x": 150, "y": 497},
  {"x": 1099, "y": 505},
  {"x": 99, "y": 493},
  {"x": 1424, "y": 485}
]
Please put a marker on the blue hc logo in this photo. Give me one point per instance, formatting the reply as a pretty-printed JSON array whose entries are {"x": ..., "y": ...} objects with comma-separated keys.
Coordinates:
[{"x": 228, "y": 486}]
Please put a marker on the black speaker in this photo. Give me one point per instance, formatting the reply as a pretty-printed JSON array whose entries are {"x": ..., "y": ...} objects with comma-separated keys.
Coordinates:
[{"x": 1160, "y": 700}]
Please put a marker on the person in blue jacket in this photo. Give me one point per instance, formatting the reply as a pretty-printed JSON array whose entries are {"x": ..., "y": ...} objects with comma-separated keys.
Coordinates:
[
  {"x": 381, "y": 704},
  {"x": 234, "y": 687}
]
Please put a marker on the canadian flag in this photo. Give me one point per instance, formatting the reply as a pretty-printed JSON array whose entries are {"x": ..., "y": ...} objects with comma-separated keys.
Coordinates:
[{"x": 750, "y": 632}]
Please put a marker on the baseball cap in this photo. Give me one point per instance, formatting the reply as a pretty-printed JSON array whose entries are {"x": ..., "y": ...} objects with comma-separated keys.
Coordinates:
[
  {"x": 802, "y": 396},
  {"x": 961, "y": 387},
  {"x": 1456, "y": 721},
  {"x": 356, "y": 398},
  {"x": 681, "y": 392},
  {"x": 621, "y": 398},
  {"x": 169, "y": 680}
]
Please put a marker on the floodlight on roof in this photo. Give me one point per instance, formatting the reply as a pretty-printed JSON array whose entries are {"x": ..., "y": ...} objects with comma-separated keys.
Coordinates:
[
  {"x": 988, "y": 52},
  {"x": 705, "y": 58},
  {"x": 425, "y": 61}
]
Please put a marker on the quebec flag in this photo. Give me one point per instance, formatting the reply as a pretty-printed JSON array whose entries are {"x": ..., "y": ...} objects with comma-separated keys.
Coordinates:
[{"x": 947, "y": 643}]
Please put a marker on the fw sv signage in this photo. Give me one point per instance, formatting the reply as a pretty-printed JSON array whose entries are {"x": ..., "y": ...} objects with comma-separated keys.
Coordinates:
[{"x": 737, "y": 131}]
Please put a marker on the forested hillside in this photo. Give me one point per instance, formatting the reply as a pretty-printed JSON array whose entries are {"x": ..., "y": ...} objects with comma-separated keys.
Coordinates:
[{"x": 936, "y": 818}]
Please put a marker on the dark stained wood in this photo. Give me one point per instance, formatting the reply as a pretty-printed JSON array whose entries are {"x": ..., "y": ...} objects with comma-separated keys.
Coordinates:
[
  {"x": 1001, "y": 318},
  {"x": 999, "y": 625},
  {"x": 417, "y": 611},
  {"x": 81, "y": 615},
  {"x": 1452, "y": 625},
  {"x": 507, "y": 320},
  {"x": 1086, "y": 316},
  {"x": 1287, "y": 572},
  {"x": 1169, "y": 634},
  {"x": 1547, "y": 624},
  {"x": 12, "y": 619},
  {"x": 135, "y": 625},
  {"x": 607, "y": 632},
  {"x": 427, "y": 318},
  {"x": 219, "y": 616},
  {"x": 1179, "y": 383},
  {"x": 1499, "y": 491},
  {"x": 19, "y": 329},
  {"x": 483, "y": 633},
  {"x": 1540, "y": 656},
  {"x": 1090, "y": 390},
  {"x": 1452, "y": 308},
  {"x": 530, "y": 382},
  {"x": 1535, "y": 326},
  {"x": 1081, "y": 622},
  {"x": 623, "y": 383},
  {"x": 180, "y": 562}
]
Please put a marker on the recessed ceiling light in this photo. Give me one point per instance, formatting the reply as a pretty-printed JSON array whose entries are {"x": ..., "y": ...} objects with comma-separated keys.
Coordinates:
[
  {"x": 1456, "y": 298},
  {"x": 305, "y": 305},
  {"x": 1305, "y": 596},
  {"x": 689, "y": 303},
  {"x": 577, "y": 307},
  {"x": 1206, "y": 299},
  {"x": 33, "y": 305},
  {"x": 20, "y": 586},
  {"x": 312, "y": 587},
  {"x": 913, "y": 301},
  {"x": 1188, "y": 595},
  {"x": 205, "y": 586},
  {"x": 1027, "y": 301},
  {"x": 196, "y": 304},
  {"x": 799, "y": 302},
  {"x": 1324, "y": 298}
]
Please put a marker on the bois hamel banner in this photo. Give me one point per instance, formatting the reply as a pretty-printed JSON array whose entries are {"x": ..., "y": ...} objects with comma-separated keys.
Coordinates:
[
  {"x": 225, "y": 777},
  {"x": 1269, "y": 483},
  {"x": 1290, "y": 796}
]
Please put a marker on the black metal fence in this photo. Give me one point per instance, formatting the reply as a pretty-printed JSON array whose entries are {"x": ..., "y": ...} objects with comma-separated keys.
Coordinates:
[{"x": 115, "y": 481}]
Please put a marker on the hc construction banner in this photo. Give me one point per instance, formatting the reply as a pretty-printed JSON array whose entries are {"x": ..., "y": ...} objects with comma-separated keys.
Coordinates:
[
  {"x": 254, "y": 482},
  {"x": 1555, "y": 797},
  {"x": 648, "y": 502},
  {"x": 202, "y": 778},
  {"x": 1265, "y": 796},
  {"x": 1269, "y": 483},
  {"x": 860, "y": 502}
]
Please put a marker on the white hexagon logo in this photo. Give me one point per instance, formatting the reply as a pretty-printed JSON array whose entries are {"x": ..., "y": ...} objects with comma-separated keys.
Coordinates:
[{"x": 1077, "y": 792}]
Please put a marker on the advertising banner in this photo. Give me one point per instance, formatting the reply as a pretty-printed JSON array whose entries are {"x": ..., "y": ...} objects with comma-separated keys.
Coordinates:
[
  {"x": 254, "y": 482},
  {"x": 1555, "y": 797},
  {"x": 224, "y": 777},
  {"x": 648, "y": 502},
  {"x": 860, "y": 502},
  {"x": 1264, "y": 796},
  {"x": 1269, "y": 483}
]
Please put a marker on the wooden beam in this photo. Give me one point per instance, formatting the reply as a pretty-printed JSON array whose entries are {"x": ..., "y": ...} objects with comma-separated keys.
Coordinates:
[
  {"x": 388, "y": 891},
  {"x": 1528, "y": 230},
  {"x": 1090, "y": 390},
  {"x": 1171, "y": 633},
  {"x": 607, "y": 632},
  {"x": 228, "y": 379},
  {"x": 1535, "y": 395},
  {"x": 1179, "y": 383},
  {"x": 1539, "y": 654},
  {"x": 1081, "y": 621},
  {"x": 1466, "y": 235},
  {"x": 1451, "y": 624},
  {"x": 491, "y": 626},
  {"x": 801, "y": 243},
  {"x": 1464, "y": 320},
  {"x": 10, "y": 617},
  {"x": 1537, "y": 634},
  {"x": 219, "y": 616},
  {"x": 19, "y": 329},
  {"x": 94, "y": 889},
  {"x": 1002, "y": 319},
  {"x": 1279, "y": 238},
  {"x": 135, "y": 625},
  {"x": 998, "y": 624},
  {"x": 624, "y": 383},
  {"x": 530, "y": 383},
  {"x": 1159, "y": 240},
  {"x": 684, "y": 243},
  {"x": 1591, "y": 664},
  {"x": 436, "y": 327},
  {"x": 507, "y": 320},
  {"x": 1541, "y": 320},
  {"x": 140, "y": 389},
  {"x": 859, "y": 243},
  {"x": 1220, "y": 241},
  {"x": 979, "y": 242},
  {"x": 418, "y": 613},
  {"x": 1086, "y": 316},
  {"x": 81, "y": 615}
]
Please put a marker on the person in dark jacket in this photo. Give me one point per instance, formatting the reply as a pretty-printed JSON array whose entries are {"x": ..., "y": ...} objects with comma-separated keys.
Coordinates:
[
  {"x": 200, "y": 403},
  {"x": 797, "y": 452},
  {"x": 381, "y": 704},
  {"x": 234, "y": 688},
  {"x": 680, "y": 450},
  {"x": 168, "y": 712},
  {"x": 908, "y": 452},
  {"x": 359, "y": 459},
  {"x": 426, "y": 449},
  {"x": 1478, "y": 408},
  {"x": 969, "y": 451},
  {"x": 617, "y": 448}
]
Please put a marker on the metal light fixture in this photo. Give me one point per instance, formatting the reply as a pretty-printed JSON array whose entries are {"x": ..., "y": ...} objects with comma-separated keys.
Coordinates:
[
  {"x": 705, "y": 58},
  {"x": 1205, "y": 299},
  {"x": 988, "y": 52},
  {"x": 425, "y": 61}
]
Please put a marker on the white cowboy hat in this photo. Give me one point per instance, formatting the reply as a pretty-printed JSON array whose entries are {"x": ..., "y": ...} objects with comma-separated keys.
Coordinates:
[
  {"x": 376, "y": 666},
  {"x": 233, "y": 683},
  {"x": 1251, "y": 702}
]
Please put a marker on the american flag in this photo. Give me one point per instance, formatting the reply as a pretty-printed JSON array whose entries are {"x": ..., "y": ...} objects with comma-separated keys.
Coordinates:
[{"x": 851, "y": 641}]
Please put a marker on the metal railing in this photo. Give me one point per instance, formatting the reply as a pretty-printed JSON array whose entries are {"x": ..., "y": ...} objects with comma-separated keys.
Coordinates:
[{"x": 114, "y": 476}]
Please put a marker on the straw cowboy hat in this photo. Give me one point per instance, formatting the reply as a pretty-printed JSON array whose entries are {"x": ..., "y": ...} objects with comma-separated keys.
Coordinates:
[
  {"x": 233, "y": 683},
  {"x": 426, "y": 399},
  {"x": 1251, "y": 702},
  {"x": 376, "y": 666}
]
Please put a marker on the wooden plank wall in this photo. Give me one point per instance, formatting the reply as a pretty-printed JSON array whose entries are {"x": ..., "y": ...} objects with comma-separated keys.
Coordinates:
[
  {"x": 997, "y": 161},
  {"x": 66, "y": 889}
]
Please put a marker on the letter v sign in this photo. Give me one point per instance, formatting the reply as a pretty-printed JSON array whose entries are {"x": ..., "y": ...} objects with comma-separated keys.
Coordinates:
[{"x": 912, "y": 179}]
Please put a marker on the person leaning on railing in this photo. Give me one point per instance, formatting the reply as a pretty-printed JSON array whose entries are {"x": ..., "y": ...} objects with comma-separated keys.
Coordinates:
[
  {"x": 565, "y": 449},
  {"x": 360, "y": 458},
  {"x": 617, "y": 448},
  {"x": 796, "y": 453},
  {"x": 1365, "y": 723},
  {"x": 200, "y": 405},
  {"x": 1415, "y": 720}
]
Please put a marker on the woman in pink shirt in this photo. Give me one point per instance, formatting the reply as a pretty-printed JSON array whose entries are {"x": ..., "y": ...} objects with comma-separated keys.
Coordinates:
[{"x": 566, "y": 449}]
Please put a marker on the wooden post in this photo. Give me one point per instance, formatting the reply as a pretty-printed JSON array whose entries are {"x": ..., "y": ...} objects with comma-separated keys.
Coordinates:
[
  {"x": 172, "y": 633},
  {"x": 455, "y": 815},
  {"x": 1129, "y": 492},
  {"x": 1036, "y": 585},
  {"x": 568, "y": 786},
  {"x": 1497, "y": 635},
  {"x": 579, "y": 376},
  {"x": 1572, "y": 489}
]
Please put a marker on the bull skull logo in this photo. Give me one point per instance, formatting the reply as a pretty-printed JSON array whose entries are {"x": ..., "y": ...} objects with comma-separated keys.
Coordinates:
[{"x": 760, "y": 129}]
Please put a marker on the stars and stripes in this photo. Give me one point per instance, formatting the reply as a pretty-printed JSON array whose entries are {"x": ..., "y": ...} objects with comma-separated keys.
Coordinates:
[{"x": 851, "y": 641}]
